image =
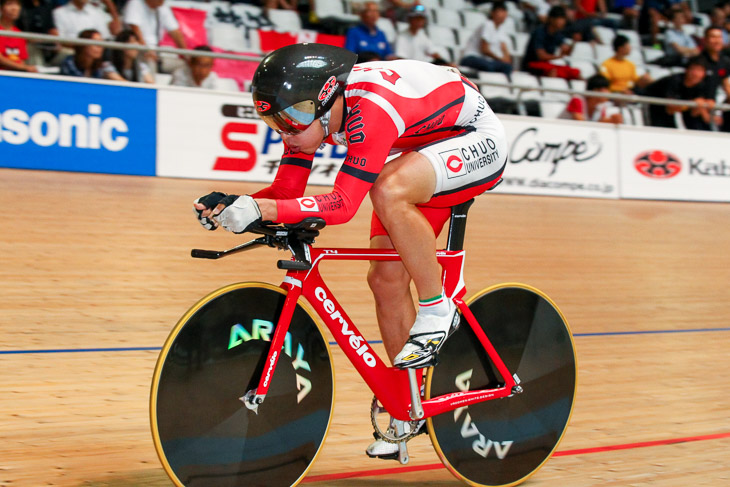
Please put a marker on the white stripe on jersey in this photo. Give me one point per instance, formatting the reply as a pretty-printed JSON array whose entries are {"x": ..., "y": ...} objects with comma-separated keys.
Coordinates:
[{"x": 382, "y": 103}]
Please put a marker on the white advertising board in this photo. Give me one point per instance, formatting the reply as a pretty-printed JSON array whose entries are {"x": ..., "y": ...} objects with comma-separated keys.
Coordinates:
[
  {"x": 674, "y": 165},
  {"x": 560, "y": 158},
  {"x": 208, "y": 135}
]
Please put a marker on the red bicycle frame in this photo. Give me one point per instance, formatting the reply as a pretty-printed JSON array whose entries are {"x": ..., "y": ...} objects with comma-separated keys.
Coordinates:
[{"x": 389, "y": 384}]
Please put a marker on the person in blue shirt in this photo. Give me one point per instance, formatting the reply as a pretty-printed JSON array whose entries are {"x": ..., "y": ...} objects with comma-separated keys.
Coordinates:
[{"x": 366, "y": 40}]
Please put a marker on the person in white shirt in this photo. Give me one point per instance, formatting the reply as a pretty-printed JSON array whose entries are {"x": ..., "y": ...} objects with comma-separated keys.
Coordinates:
[
  {"x": 80, "y": 15},
  {"x": 487, "y": 48},
  {"x": 413, "y": 42},
  {"x": 149, "y": 20},
  {"x": 197, "y": 73}
]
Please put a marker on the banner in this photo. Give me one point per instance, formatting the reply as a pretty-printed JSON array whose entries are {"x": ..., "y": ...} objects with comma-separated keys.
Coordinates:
[
  {"x": 674, "y": 165},
  {"x": 560, "y": 158},
  {"x": 218, "y": 136},
  {"x": 77, "y": 126}
]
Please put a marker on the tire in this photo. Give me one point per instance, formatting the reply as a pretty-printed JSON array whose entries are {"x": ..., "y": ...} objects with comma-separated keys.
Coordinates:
[
  {"x": 502, "y": 442},
  {"x": 204, "y": 435}
]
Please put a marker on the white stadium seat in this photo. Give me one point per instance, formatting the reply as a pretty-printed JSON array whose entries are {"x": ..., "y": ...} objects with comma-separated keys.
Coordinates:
[{"x": 285, "y": 20}]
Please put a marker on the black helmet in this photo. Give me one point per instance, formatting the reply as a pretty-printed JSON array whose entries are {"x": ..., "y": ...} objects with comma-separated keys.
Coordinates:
[{"x": 295, "y": 85}]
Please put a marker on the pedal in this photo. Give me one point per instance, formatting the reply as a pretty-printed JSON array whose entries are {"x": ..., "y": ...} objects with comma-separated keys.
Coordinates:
[{"x": 402, "y": 448}]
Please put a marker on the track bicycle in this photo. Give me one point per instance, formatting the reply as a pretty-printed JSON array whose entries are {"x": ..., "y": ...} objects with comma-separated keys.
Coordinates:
[{"x": 243, "y": 389}]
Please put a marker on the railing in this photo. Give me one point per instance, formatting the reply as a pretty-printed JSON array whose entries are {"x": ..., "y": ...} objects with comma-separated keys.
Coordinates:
[{"x": 520, "y": 89}]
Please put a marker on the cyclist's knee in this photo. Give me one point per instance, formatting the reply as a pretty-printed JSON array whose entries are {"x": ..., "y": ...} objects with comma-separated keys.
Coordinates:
[
  {"x": 385, "y": 278},
  {"x": 386, "y": 191}
]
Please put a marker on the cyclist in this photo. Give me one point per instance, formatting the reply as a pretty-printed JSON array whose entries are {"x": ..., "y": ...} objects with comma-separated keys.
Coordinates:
[{"x": 450, "y": 147}]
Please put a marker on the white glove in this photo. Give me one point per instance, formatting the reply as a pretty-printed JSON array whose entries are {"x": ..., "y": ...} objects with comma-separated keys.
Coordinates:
[{"x": 240, "y": 215}]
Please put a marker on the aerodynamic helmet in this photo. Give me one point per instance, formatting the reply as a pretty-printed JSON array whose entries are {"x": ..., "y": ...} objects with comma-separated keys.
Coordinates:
[{"x": 298, "y": 84}]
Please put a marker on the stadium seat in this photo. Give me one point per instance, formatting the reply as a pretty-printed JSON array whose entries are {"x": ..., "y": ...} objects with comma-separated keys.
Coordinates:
[
  {"x": 526, "y": 79},
  {"x": 333, "y": 10},
  {"x": 633, "y": 36},
  {"x": 551, "y": 108},
  {"x": 163, "y": 78},
  {"x": 430, "y": 3},
  {"x": 657, "y": 72},
  {"x": 556, "y": 83},
  {"x": 446, "y": 17},
  {"x": 520, "y": 41},
  {"x": 442, "y": 36},
  {"x": 650, "y": 54},
  {"x": 387, "y": 27},
  {"x": 578, "y": 84},
  {"x": 586, "y": 68},
  {"x": 227, "y": 84},
  {"x": 473, "y": 19},
  {"x": 285, "y": 20},
  {"x": 603, "y": 52},
  {"x": 490, "y": 91},
  {"x": 583, "y": 51},
  {"x": 230, "y": 37},
  {"x": 605, "y": 34}
]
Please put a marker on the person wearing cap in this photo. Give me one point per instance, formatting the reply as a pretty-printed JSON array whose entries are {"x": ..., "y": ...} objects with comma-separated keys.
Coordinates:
[
  {"x": 413, "y": 42},
  {"x": 486, "y": 49},
  {"x": 447, "y": 145}
]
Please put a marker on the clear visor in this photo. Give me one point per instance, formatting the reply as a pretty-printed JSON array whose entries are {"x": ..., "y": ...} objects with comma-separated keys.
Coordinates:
[{"x": 292, "y": 120}]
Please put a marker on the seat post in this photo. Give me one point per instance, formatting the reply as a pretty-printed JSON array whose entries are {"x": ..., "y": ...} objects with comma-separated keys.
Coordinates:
[{"x": 457, "y": 226}]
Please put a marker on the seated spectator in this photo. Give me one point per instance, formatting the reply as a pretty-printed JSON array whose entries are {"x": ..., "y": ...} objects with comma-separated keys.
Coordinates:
[
  {"x": 366, "y": 39},
  {"x": 586, "y": 15},
  {"x": 398, "y": 10},
  {"x": 13, "y": 51},
  {"x": 413, "y": 43},
  {"x": 678, "y": 45},
  {"x": 149, "y": 20},
  {"x": 690, "y": 85},
  {"x": 593, "y": 108},
  {"x": 79, "y": 15},
  {"x": 629, "y": 10},
  {"x": 37, "y": 17},
  {"x": 486, "y": 49},
  {"x": 87, "y": 60},
  {"x": 124, "y": 64},
  {"x": 547, "y": 43},
  {"x": 619, "y": 71},
  {"x": 718, "y": 64},
  {"x": 535, "y": 11},
  {"x": 719, "y": 19},
  {"x": 197, "y": 73}
]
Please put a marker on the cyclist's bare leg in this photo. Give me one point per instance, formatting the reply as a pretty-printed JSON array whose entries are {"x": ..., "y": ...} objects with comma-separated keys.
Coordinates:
[
  {"x": 403, "y": 183},
  {"x": 390, "y": 284}
]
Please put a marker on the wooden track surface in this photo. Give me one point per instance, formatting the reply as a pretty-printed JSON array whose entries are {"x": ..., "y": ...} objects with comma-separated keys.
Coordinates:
[{"x": 95, "y": 261}]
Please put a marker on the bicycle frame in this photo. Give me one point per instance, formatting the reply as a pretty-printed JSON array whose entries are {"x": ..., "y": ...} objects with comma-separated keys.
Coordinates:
[{"x": 390, "y": 385}]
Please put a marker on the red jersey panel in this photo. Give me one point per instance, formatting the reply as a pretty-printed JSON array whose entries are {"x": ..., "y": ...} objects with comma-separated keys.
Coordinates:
[{"x": 392, "y": 107}]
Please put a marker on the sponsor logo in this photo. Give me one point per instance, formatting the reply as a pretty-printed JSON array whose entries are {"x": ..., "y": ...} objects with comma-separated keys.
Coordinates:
[
  {"x": 272, "y": 361},
  {"x": 262, "y": 106},
  {"x": 481, "y": 445},
  {"x": 263, "y": 330},
  {"x": 308, "y": 203},
  {"x": 82, "y": 131},
  {"x": 701, "y": 167},
  {"x": 231, "y": 136},
  {"x": 454, "y": 163},
  {"x": 327, "y": 90},
  {"x": 530, "y": 147},
  {"x": 658, "y": 164},
  {"x": 466, "y": 160},
  {"x": 357, "y": 343}
]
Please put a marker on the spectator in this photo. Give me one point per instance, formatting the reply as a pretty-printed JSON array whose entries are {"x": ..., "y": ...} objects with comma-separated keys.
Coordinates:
[
  {"x": 588, "y": 14},
  {"x": 593, "y": 108},
  {"x": 149, "y": 19},
  {"x": 690, "y": 85},
  {"x": 678, "y": 45},
  {"x": 547, "y": 43},
  {"x": 398, "y": 10},
  {"x": 718, "y": 64},
  {"x": 365, "y": 39},
  {"x": 629, "y": 12},
  {"x": 13, "y": 51},
  {"x": 80, "y": 15},
  {"x": 650, "y": 15},
  {"x": 124, "y": 64},
  {"x": 37, "y": 16},
  {"x": 197, "y": 73},
  {"x": 719, "y": 19},
  {"x": 87, "y": 60},
  {"x": 486, "y": 49},
  {"x": 619, "y": 71},
  {"x": 413, "y": 43}
]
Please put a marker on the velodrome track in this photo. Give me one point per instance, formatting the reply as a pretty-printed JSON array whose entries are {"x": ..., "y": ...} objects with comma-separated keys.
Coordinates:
[{"x": 96, "y": 271}]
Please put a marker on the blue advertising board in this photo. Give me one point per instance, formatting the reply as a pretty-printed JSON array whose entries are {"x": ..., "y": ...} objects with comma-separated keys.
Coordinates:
[{"x": 77, "y": 126}]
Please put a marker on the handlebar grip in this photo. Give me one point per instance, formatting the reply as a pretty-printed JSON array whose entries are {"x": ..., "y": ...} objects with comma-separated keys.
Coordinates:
[
  {"x": 293, "y": 265},
  {"x": 205, "y": 254}
]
